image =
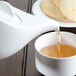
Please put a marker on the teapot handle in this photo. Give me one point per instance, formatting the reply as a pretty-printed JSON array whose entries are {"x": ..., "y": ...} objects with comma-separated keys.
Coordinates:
[{"x": 5, "y": 7}]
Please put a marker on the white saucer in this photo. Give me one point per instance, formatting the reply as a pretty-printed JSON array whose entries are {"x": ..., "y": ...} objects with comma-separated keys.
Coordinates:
[{"x": 38, "y": 12}]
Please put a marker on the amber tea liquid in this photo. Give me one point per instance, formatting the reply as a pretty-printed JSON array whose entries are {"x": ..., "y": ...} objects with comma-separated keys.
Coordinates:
[
  {"x": 58, "y": 40},
  {"x": 65, "y": 51}
]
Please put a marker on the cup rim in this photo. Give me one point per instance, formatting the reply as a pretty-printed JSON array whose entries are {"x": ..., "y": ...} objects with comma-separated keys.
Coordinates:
[
  {"x": 36, "y": 9},
  {"x": 53, "y": 57}
]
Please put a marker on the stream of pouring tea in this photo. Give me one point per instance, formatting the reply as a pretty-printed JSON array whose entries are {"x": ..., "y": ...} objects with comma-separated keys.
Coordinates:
[{"x": 58, "y": 40}]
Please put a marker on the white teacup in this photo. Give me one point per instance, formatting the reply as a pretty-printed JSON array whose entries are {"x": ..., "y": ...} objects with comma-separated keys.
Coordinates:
[{"x": 50, "y": 66}]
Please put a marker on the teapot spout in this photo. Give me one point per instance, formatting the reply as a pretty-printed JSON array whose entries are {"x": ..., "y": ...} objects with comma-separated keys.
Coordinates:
[
  {"x": 33, "y": 26},
  {"x": 36, "y": 31}
]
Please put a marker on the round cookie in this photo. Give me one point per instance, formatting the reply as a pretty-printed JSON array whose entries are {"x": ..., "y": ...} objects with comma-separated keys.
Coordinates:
[{"x": 51, "y": 10}]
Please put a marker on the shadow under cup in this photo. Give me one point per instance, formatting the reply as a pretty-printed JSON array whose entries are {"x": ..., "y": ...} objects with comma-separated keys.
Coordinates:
[{"x": 50, "y": 66}]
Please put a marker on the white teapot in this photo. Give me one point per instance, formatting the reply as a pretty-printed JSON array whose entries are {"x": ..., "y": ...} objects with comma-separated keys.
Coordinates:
[{"x": 18, "y": 28}]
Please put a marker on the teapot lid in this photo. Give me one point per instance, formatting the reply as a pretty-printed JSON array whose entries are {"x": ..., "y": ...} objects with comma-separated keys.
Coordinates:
[{"x": 7, "y": 14}]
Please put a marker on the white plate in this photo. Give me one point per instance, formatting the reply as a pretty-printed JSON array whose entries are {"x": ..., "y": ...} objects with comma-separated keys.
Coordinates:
[{"x": 38, "y": 12}]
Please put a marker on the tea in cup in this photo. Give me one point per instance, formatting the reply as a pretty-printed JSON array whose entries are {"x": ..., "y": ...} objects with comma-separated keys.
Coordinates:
[{"x": 53, "y": 65}]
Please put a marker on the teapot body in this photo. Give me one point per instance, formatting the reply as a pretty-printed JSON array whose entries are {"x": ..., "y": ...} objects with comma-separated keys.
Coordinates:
[{"x": 11, "y": 40}]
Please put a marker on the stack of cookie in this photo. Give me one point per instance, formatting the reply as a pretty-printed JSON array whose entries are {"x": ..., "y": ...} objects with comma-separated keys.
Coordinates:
[{"x": 60, "y": 9}]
